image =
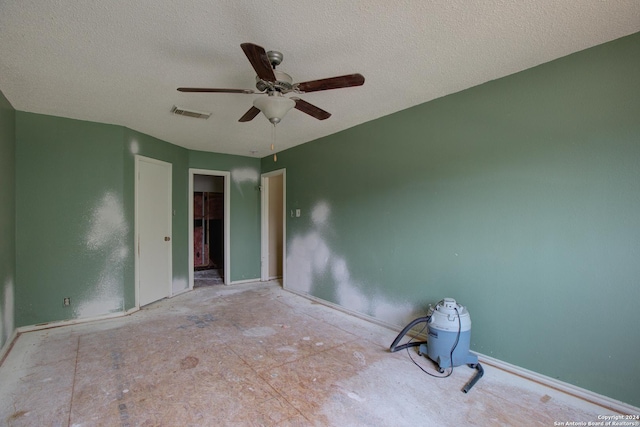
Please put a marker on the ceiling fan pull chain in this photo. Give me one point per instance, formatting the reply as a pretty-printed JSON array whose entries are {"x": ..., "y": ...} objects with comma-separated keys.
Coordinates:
[
  {"x": 273, "y": 137},
  {"x": 273, "y": 144}
]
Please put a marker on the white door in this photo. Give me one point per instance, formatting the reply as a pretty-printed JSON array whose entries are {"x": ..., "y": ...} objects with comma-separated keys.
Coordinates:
[{"x": 153, "y": 227}]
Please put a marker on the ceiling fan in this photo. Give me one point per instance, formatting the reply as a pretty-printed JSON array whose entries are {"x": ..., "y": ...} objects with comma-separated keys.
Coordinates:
[{"x": 276, "y": 84}]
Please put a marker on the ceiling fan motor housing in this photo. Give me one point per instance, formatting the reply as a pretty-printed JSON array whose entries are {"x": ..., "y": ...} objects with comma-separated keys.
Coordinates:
[
  {"x": 283, "y": 83},
  {"x": 275, "y": 58}
]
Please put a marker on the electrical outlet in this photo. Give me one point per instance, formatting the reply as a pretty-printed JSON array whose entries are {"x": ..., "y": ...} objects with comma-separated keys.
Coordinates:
[{"x": 66, "y": 301}]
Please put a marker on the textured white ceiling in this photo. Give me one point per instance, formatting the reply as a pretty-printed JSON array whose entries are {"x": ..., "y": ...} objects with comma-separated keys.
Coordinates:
[{"x": 120, "y": 61}]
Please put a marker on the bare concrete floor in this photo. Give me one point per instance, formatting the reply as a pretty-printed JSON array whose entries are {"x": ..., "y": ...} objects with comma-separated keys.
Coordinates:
[
  {"x": 209, "y": 277},
  {"x": 252, "y": 355}
]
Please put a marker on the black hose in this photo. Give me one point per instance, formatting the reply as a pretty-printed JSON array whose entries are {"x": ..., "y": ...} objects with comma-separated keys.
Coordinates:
[
  {"x": 475, "y": 378},
  {"x": 394, "y": 345}
]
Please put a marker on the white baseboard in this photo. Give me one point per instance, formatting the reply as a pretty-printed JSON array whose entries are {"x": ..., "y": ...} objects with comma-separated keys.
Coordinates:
[
  {"x": 180, "y": 292},
  {"x": 579, "y": 392},
  {"x": 8, "y": 345},
  {"x": 345, "y": 310},
  {"x": 57, "y": 324},
  {"x": 570, "y": 389},
  {"x": 238, "y": 282}
]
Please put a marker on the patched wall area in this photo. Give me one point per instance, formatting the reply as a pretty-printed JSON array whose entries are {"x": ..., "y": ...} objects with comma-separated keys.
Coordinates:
[
  {"x": 518, "y": 198},
  {"x": 317, "y": 264},
  {"x": 71, "y": 224},
  {"x": 76, "y": 211},
  {"x": 245, "y": 209},
  {"x": 148, "y": 146}
]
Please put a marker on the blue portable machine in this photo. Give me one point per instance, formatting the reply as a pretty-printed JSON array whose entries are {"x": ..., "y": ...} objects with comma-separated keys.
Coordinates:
[
  {"x": 448, "y": 338},
  {"x": 449, "y": 325}
]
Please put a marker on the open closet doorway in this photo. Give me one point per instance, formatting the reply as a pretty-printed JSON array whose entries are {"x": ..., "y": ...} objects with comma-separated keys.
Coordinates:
[
  {"x": 273, "y": 203},
  {"x": 208, "y": 227}
]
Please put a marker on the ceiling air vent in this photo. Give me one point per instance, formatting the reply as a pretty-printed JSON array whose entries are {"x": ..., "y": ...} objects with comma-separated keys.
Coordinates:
[{"x": 190, "y": 113}]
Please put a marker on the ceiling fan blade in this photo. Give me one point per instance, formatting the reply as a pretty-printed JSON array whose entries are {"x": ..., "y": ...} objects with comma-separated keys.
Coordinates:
[
  {"x": 259, "y": 61},
  {"x": 214, "y": 90},
  {"x": 348, "y": 80},
  {"x": 311, "y": 109},
  {"x": 249, "y": 115}
]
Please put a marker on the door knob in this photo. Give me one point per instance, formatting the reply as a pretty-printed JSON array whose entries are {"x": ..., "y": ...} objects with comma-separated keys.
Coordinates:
[{"x": 167, "y": 238}]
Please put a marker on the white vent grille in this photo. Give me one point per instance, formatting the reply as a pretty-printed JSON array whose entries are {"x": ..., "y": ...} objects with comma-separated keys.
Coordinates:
[{"x": 181, "y": 111}]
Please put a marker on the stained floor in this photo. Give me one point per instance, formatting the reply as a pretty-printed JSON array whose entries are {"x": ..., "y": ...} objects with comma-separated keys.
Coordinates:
[{"x": 253, "y": 355}]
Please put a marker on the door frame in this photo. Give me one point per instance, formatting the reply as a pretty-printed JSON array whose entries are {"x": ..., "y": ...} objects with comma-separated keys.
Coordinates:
[
  {"x": 227, "y": 222},
  {"x": 137, "y": 159},
  {"x": 264, "y": 222}
]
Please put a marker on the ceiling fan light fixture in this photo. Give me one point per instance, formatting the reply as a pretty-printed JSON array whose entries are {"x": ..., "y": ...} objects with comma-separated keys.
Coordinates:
[{"x": 274, "y": 107}]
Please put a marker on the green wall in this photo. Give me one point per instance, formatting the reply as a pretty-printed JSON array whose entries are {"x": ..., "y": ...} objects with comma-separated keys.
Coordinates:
[
  {"x": 7, "y": 219},
  {"x": 72, "y": 227},
  {"x": 144, "y": 145},
  {"x": 245, "y": 209},
  {"x": 519, "y": 197},
  {"x": 75, "y": 202}
]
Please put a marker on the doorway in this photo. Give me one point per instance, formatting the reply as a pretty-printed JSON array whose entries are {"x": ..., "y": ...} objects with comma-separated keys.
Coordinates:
[
  {"x": 153, "y": 257},
  {"x": 273, "y": 200},
  {"x": 208, "y": 227}
]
